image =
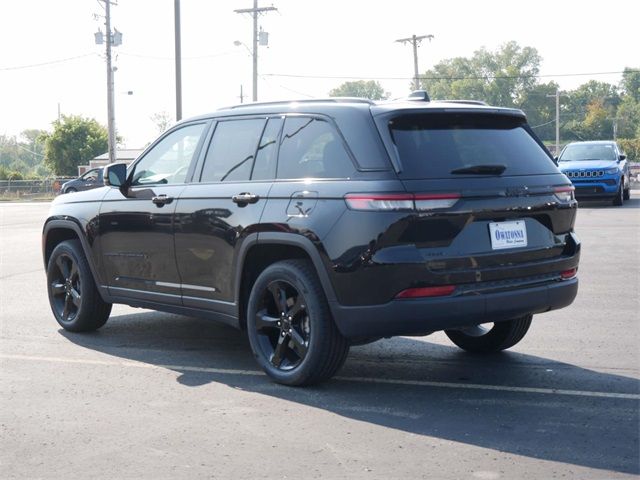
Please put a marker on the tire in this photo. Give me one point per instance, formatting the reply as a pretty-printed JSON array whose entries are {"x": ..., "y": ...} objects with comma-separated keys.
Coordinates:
[
  {"x": 501, "y": 336},
  {"x": 292, "y": 334},
  {"x": 73, "y": 296},
  {"x": 70, "y": 190},
  {"x": 626, "y": 193},
  {"x": 619, "y": 198}
]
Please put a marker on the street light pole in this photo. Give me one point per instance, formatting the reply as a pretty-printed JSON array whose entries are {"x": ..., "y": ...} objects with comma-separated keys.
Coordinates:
[
  {"x": 415, "y": 42},
  {"x": 178, "y": 50},
  {"x": 111, "y": 118}
]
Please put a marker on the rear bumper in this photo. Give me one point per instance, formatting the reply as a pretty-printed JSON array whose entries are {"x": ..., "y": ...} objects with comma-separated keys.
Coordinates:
[{"x": 426, "y": 315}]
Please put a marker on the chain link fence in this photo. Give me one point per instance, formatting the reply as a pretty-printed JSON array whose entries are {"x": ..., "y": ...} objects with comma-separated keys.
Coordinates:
[{"x": 31, "y": 189}]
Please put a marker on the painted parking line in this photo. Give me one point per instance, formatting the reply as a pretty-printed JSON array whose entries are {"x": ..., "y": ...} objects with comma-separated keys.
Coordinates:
[{"x": 380, "y": 381}]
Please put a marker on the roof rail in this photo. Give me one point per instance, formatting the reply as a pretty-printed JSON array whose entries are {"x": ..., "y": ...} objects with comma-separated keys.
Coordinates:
[
  {"x": 305, "y": 101},
  {"x": 466, "y": 102}
]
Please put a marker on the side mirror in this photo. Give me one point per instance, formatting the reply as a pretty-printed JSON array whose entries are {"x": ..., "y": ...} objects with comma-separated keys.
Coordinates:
[
  {"x": 622, "y": 157},
  {"x": 115, "y": 175}
]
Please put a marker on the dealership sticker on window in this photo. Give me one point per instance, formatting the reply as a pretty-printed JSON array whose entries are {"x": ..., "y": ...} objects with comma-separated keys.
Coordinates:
[{"x": 508, "y": 234}]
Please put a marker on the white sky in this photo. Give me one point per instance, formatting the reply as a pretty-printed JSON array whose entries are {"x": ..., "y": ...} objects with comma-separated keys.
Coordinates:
[{"x": 351, "y": 38}]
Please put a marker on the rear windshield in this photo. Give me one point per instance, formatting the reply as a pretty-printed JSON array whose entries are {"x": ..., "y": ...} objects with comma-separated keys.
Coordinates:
[
  {"x": 586, "y": 151},
  {"x": 434, "y": 145}
]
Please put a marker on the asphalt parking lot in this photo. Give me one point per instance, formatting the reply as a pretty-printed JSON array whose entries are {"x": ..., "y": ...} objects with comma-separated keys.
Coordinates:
[{"x": 153, "y": 395}]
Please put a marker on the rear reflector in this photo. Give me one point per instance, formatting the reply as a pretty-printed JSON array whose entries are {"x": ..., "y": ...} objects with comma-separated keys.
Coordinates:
[
  {"x": 568, "y": 274},
  {"x": 439, "y": 291},
  {"x": 400, "y": 201}
]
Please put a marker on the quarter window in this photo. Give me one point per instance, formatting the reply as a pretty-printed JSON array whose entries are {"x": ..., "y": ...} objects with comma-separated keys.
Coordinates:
[
  {"x": 168, "y": 161},
  {"x": 232, "y": 150},
  {"x": 311, "y": 148}
]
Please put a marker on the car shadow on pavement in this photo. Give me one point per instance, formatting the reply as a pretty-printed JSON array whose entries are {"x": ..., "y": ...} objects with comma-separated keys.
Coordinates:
[{"x": 582, "y": 430}]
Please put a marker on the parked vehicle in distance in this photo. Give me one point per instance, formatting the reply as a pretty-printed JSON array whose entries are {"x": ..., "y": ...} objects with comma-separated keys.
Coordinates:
[
  {"x": 316, "y": 225},
  {"x": 86, "y": 181},
  {"x": 598, "y": 170}
]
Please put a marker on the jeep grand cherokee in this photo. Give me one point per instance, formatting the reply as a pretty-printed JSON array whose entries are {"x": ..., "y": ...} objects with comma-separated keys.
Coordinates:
[{"x": 316, "y": 225}]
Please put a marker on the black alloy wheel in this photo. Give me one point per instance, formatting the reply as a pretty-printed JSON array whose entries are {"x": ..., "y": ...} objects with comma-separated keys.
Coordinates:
[
  {"x": 282, "y": 324},
  {"x": 73, "y": 296},
  {"x": 66, "y": 288},
  {"x": 292, "y": 334}
]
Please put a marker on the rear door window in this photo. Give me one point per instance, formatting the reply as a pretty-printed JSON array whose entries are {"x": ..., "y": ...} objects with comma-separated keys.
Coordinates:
[
  {"x": 311, "y": 148},
  {"x": 232, "y": 150},
  {"x": 434, "y": 145}
]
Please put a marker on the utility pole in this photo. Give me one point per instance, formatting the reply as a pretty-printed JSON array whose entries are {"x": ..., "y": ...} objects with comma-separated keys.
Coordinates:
[
  {"x": 111, "y": 115},
  {"x": 415, "y": 41},
  {"x": 557, "y": 97},
  {"x": 178, "y": 50},
  {"x": 255, "y": 11}
]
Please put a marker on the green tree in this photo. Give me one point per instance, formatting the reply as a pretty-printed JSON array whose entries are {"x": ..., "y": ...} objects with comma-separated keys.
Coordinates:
[
  {"x": 500, "y": 78},
  {"x": 589, "y": 110},
  {"x": 362, "y": 89},
  {"x": 74, "y": 141},
  {"x": 541, "y": 109}
]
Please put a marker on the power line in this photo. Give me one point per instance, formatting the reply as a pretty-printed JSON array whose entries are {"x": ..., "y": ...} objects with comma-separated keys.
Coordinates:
[
  {"x": 42, "y": 64},
  {"x": 422, "y": 77}
]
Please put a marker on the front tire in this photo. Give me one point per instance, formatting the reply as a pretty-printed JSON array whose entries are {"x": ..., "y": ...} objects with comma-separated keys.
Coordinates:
[
  {"x": 290, "y": 328},
  {"x": 74, "y": 299},
  {"x": 626, "y": 193},
  {"x": 619, "y": 198},
  {"x": 502, "y": 335}
]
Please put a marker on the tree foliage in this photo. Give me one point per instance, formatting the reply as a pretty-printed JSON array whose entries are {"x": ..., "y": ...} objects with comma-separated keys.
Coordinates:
[
  {"x": 362, "y": 89},
  {"x": 74, "y": 141},
  {"x": 503, "y": 77}
]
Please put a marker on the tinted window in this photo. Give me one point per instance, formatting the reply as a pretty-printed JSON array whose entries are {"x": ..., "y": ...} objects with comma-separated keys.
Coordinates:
[
  {"x": 432, "y": 145},
  {"x": 311, "y": 148},
  {"x": 168, "y": 161},
  {"x": 592, "y": 151},
  {"x": 265, "y": 165},
  {"x": 91, "y": 176},
  {"x": 232, "y": 149}
]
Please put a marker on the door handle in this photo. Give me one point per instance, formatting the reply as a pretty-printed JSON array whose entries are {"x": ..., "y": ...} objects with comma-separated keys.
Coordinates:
[
  {"x": 242, "y": 199},
  {"x": 161, "y": 200}
]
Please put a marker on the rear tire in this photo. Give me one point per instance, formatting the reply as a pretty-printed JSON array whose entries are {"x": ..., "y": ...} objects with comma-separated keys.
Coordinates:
[
  {"x": 501, "y": 336},
  {"x": 74, "y": 299},
  {"x": 292, "y": 334}
]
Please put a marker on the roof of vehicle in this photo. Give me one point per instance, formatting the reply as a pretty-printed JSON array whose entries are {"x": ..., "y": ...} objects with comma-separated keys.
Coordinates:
[
  {"x": 333, "y": 106},
  {"x": 594, "y": 142}
]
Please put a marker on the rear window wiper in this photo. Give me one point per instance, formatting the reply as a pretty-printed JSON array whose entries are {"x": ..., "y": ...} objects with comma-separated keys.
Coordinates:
[{"x": 480, "y": 170}]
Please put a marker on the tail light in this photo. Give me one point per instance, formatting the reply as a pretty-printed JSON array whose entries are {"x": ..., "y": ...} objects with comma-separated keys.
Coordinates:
[
  {"x": 569, "y": 274},
  {"x": 421, "y": 292},
  {"x": 400, "y": 201},
  {"x": 564, "y": 194}
]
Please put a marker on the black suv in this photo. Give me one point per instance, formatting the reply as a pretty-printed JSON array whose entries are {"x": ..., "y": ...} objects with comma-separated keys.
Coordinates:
[{"x": 316, "y": 225}]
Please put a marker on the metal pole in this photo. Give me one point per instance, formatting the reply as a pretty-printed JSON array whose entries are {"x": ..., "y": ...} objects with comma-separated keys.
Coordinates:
[
  {"x": 111, "y": 119},
  {"x": 557, "y": 122},
  {"x": 178, "y": 61},
  {"x": 415, "y": 62},
  {"x": 255, "y": 50}
]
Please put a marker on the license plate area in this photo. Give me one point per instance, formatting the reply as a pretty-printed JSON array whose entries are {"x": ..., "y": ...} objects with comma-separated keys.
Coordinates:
[{"x": 508, "y": 234}]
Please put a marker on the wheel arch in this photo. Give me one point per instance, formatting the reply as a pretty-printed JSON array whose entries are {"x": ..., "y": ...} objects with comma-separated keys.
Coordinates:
[
  {"x": 58, "y": 231},
  {"x": 263, "y": 249}
]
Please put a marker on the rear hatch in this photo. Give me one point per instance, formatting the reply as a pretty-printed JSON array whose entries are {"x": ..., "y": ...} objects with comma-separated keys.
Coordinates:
[{"x": 491, "y": 206}]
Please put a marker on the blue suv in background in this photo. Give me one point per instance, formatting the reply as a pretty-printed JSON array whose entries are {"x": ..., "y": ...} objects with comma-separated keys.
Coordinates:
[{"x": 597, "y": 170}]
